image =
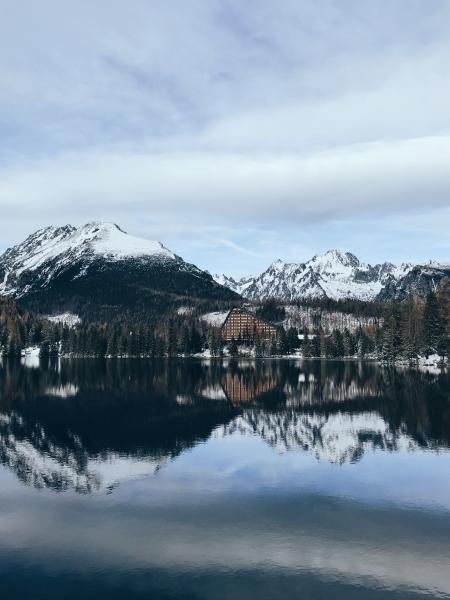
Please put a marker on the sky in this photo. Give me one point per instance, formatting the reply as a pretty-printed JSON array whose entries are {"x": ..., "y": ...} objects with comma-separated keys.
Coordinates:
[{"x": 234, "y": 132}]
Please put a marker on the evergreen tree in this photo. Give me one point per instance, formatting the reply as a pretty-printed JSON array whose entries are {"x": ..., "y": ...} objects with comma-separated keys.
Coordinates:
[
  {"x": 316, "y": 344},
  {"x": 392, "y": 332},
  {"x": 362, "y": 343},
  {"x": 171, "y": 339},
  {"x": 196, "y": 340},
  {"x": 259, "y": 347},
  {"x": 292, "y": 341},
  {"x": 338, "y": 344},
  {"x": 185, "y": 343},
  {"x": 411, "y": 329},
  {"x": 306, "y": 346},
  {"x": 349, "y": 343},
  {"x": 233, "y": 348},
  {"x": 282, "y": 345},
  {"x": 434, "y": 327}
]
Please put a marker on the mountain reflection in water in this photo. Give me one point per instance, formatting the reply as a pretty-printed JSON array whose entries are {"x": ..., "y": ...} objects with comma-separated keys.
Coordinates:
[{"x": 85, "y": 425}]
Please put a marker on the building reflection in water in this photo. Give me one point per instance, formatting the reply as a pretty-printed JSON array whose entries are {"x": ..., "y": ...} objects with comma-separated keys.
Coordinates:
[{"x": 242, "y": 387}]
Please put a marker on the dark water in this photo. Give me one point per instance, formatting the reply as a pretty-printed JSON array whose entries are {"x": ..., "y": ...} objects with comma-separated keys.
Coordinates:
[{"x": 136, "y": 479}]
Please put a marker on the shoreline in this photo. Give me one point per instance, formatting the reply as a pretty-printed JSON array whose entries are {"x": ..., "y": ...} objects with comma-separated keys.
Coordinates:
[{"x": 32, "y": 358}]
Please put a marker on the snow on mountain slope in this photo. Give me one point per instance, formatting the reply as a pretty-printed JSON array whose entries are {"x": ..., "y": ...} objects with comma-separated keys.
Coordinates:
[
  {"x": 59, "y": 245},
  {"x": 334, "y": 274},
  {"x": 98, "y": 262},
  {"x": 237, "y": 286},
  {"x": 418, "y": 281}
]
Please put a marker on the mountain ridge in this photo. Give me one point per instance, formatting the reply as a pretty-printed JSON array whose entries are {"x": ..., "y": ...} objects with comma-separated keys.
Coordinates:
[
  {"x": 337, "y": 275},
  {"x": 100, "y": 264}
]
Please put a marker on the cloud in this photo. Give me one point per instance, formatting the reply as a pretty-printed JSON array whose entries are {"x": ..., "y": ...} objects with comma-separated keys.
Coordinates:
[
  {"x": 218, "y": 187},
  {"x": 226, "y": 114}
]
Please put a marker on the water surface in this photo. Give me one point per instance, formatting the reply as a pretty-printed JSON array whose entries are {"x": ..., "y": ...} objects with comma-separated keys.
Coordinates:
[{"x": 190, "y": 479}]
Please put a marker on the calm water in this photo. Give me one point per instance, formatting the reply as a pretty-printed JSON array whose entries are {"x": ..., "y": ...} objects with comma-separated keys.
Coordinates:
[{"x": 247, "y": 480}]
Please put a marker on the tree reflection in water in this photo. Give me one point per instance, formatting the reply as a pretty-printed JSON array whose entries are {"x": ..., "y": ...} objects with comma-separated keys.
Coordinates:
[{"x": 62, "y": 425}]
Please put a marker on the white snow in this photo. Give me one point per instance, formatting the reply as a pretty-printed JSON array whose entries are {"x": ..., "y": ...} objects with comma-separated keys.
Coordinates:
[
  {"x": 56, "y": 247},
  {"x": 107, "y": 239},
  {"x": 306, "y": 317},
  {"x": 184, "y": 310},
  {"x": 30, "y": 357},
  {"x": 67, "y": 318},
  {"x": 215, "y": 319},
  {"x": 214, "y": 392},
  {"x": 335, "y": 274}
]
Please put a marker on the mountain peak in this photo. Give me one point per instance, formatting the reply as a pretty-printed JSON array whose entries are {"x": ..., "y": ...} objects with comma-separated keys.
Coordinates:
[
  {"x": 101, "y": 226},
  {"x": 337, "y": 274},
  {"x": 99, "y": 262},
  {"x": 111, "y": 241},
  {"x": 53, "y": 249},
  {"x": 278, "y": 265},
  {"x": 337, "y": 256}
]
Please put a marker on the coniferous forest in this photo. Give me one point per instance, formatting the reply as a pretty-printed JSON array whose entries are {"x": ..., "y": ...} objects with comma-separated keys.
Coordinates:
[{"x": 399, "y": 331}]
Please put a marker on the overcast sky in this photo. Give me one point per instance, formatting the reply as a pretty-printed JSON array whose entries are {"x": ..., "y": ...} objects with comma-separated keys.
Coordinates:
[{"x": 236, "y": 132}]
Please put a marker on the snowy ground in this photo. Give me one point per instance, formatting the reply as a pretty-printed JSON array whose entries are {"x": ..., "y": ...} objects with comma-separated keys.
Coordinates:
[
  {"x": 215, "y": 319},
  {"x": 184, "y": 310},
  {"x": 306, "y": 317},
  {"x": 69, "y": 319},
  {"x": 30, "y": 357}
]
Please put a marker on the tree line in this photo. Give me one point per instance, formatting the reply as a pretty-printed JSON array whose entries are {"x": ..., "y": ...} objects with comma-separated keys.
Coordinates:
[{"x": 404, "y": 330}]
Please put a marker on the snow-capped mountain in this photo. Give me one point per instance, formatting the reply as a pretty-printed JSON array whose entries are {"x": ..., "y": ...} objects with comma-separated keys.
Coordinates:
[
  {"x": 239, "y": 286},
  {"x": 417, "y": 281},
  {"x": 101, "y": 263},
  {"x": 334, "y": 274},
  {"x": 49, "y": 251}
]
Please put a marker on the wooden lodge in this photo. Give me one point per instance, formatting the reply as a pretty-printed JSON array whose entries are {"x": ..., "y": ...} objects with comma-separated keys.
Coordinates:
[{"x": 241, "y": 324}]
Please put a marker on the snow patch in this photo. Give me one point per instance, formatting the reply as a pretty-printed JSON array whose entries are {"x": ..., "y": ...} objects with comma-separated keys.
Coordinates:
[
  {"x": 67, "y": 318},
  {"x": 215, "y": 319},
  {"x": 30, "y": 356}
]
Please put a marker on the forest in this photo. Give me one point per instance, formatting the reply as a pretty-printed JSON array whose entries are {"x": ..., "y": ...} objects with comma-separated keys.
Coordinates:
[{"x": 401, "y": 330}]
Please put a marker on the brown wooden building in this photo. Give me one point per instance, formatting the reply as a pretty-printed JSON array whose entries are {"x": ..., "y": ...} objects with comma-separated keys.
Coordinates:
[{"x": 242, "y": 324}]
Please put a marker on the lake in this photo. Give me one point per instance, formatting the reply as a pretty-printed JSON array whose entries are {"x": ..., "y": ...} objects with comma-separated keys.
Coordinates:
[{"x": 210, "y": 480}]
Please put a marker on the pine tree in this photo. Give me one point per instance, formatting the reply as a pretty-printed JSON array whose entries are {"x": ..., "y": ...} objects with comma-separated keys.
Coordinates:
[
  {"x": 443, "y": 297},
  {"x": 362, "y": 343},
  {"x": 324, "y": 347},
  {"x": 172, "y": 344},
  {"x": 196, "y": 340},
  {"x": 282, "y": 346},
  {"x": 392, "y": 332},
  {"x": 349, "y": 343},
  {"x": 338, "y": 344},
  {"x": 292, "y": 341},
  {"x": 185, "y": 342},
  {"x": 259, "y": 347},
  {"x": 233, "y": 348},
  {"x": 411, "y": 329},
  {"x": 214, "y": 345},
  {"x": 316, "y": 345},
  {"x": 434, "y": 327},
  {"x": 306, "y": 346},
  {"x": 378, "y": 340}
]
